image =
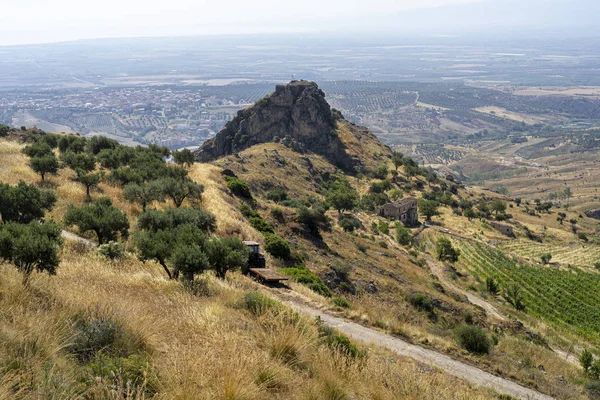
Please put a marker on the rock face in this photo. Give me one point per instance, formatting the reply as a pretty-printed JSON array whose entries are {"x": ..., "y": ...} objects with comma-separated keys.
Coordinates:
[{"x": 296, "y": 115}]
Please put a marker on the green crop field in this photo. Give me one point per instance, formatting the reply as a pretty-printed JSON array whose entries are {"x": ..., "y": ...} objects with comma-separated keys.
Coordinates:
[
  {"x": 569, "y": 299},
  {"x": 576, "y": 254}
]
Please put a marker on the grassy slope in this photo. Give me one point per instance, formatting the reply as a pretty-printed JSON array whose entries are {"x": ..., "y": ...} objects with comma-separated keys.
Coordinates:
[
  {"x": 394, "y": 271},
  {"x": 200, "y": 347}
]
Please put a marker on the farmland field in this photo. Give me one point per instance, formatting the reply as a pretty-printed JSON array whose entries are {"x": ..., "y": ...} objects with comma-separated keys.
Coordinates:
[
  {"x": 568, "y": 299},
  {"x": 568, "y": 254}
]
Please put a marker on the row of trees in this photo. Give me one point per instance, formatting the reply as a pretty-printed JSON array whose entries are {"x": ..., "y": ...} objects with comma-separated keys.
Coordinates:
[
  {"x": 180, "y": 239},
  {"x": 141, "y": 171}
]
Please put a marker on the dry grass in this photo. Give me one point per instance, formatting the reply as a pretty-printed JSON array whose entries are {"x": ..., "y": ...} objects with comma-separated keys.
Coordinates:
[{"x": 200, "y": 347}]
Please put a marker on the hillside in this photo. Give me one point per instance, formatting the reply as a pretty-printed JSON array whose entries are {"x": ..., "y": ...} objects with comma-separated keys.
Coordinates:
[{"x": 314, "y": 213}]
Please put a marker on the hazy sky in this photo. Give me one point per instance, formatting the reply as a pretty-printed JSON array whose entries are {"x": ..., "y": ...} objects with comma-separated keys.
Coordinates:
[{"x": 42, "y": 21}]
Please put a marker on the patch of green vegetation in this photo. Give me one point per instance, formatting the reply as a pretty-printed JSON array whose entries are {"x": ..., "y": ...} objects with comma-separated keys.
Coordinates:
[
  {"x": 472, "y": 338},
  {"x": 303, "y": 275},
  {"x": 238, "y": 187},
  {"x": 568, "y": 299},
  {"x": 341, "y": 302}
]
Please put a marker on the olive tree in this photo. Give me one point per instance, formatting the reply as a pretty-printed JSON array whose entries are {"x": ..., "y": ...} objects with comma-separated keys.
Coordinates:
[
  {"x": 101, "y": 217},
  {"x": 143, "y": 194},
  {"x": 161, "y": 234},
  {"x": 179, "y": 189},
  {"x": 24, "y": 203},
  {"x": 445, "y": 251},
  {"x": 184, "y": 157},
  {"x": 44, "y": 165},
  {"x": 31, "y": 247}
]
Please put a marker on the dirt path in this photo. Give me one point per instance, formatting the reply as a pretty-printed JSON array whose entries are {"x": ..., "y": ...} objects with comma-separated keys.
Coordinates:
[
  {"x": 74, "y": 237},
  {"x": 430, "y": 357},
  {"x": 401, "y": 347},
  {"x": 438, "y": 271}
]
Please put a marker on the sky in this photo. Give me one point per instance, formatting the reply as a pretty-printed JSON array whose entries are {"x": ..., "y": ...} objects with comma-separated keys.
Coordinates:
[{"x": 46, "y": 21}]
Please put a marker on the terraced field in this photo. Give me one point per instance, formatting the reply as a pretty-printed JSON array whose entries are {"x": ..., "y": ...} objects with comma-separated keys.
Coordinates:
[
  {"x": 568, "y": 299},
  {"x": 569, "y": 254}
]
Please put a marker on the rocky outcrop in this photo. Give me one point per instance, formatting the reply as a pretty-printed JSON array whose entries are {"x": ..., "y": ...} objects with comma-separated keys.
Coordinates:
[{"x": 296, "y": 115}]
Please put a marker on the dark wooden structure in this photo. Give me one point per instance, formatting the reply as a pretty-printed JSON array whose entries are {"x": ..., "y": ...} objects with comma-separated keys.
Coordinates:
[
  {"x": 257, "y": 265},
  {"x": 267, "y": 275}
]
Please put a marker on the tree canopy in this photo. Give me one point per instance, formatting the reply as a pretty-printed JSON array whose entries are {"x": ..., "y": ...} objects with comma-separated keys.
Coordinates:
[
  {"x": 445, "y": 251},
  {"x": 24, "y": 203},
  {"x": 47, "y": 164},
  {"x": 101, "y": 217},
  {"x": 30, "y": 247},
  {"x": 184, "y": 157}
]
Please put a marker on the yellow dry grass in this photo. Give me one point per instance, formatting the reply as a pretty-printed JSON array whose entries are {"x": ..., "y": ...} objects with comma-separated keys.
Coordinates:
[{"x": 200, "y": 347}]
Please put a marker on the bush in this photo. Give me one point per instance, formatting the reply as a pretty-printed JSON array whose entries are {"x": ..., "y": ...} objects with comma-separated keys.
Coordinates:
[
  {"x": 102, "y": 333},
  {"x": 112, "y": 250},
  {"x": 403, "y": 235},
  {"x": 277, "y": 213},
  {"x": 445, "y": 251},
  {"x": 258, "y": 304},
  {"x": 342, "y": 270},
  {"x": 546, "y": 258},
  {"x": 361, "y": 247},
  {"x": 341, "y": 302},
  {"x": 303, "y": 275},
  {"x": 586, "y": 359},
  {"x": 277, "y": 195},
  {"x": 261, "y": 225},
  {"x": 421, "y": 302},
  {"x": 340, "y": 342},
  {"x": 277, "y": 246},
  {"x": 132, "y": 374},
  {"x": 349, "y": 224},
  {"x": 472, "y": 338},
  {"x": 383, "y": 227},
  {"x": 593, "y": 389},
  {"x": 238, "y": 187},
  {"x": 4, "y": 130}
]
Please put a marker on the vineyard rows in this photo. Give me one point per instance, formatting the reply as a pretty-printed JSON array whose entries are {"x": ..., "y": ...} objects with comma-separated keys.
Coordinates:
[
  {"x": 577, "y": 255},
  {"x": 567, "y": 299}
]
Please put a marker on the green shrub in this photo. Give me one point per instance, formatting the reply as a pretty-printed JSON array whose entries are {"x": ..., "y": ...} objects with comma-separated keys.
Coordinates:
[
  {"x": 95, "y": 333},
  {"x": 303, "y": 275},
  {"x": 260, "y": 224},
  {"x": 546, "y": 258},
  {"x": 277, "y": 195},
  {"x": 112, "y": 250},
  {"x": 238, "y": 187},
  {"x": 383, "y": 227},
  {"x": 132, "y": 374},
  {"x": 341, "y": 302},
  {"x": 403, "y": 235},
  {"x": 277, "y": 213},
  {"x": 277, "y": 246},
  {"x": 593, "y": 390},
  {"x": 258, "y": 304},
  {"x": 472, "y": 338},
  {"x": 340, "y": 342},
  {"x": 342, "y": 270},
  {"x": 248, "y": 212},
  {"x": 349, "y": 224},
  {"x": 361, "y": 247},
  {"x": 421, "y": 302}
]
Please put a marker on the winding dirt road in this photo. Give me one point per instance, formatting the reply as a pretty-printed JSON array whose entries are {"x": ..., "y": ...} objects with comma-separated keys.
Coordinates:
[
  {"x": 401, "y": 347},
  {"x": 452, "y": 367}
]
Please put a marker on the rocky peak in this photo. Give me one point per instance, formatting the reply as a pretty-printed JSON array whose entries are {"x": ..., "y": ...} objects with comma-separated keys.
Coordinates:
[{"x": 296, "y": 115}]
